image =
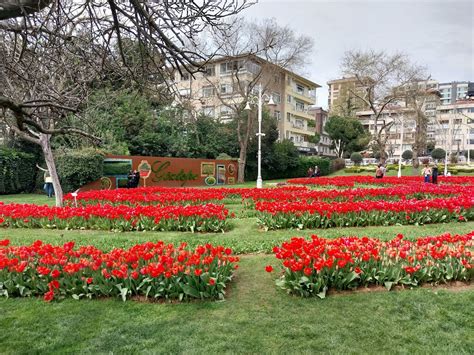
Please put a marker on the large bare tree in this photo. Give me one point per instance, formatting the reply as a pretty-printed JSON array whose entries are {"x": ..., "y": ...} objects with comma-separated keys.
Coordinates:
[
  {"x": 257, "y": 52},
  {"x": 54, "y": 52},
  {"x": 379, "y": 74},
  {"x": 416, "y": 96}
]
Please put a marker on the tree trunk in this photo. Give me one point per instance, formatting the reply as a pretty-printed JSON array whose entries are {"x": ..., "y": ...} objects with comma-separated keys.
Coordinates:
[
  {"x": 243, "y": 144},
  {"x": 51, "y": 166},
  {"x": 242, "y": 163}
]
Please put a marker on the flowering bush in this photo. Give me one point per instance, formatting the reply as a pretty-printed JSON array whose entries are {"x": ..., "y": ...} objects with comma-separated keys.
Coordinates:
[
  {"x": 301, "y": 214},
  {"x": 311, "y": 267},
  {"x": 153, "y": 270},
  {"x": 202, "y": 218}
]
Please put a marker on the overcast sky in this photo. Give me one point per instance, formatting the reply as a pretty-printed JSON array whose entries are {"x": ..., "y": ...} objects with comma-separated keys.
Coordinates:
[{"x": 436, "y": 34}]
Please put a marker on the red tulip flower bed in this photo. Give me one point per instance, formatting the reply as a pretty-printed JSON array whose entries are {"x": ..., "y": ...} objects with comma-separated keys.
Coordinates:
[
  {"x": 415, "y": 190},
  {"x": 166, "y": 195},
  {"x": 151, "y": 270},
  {"x": 301, "y": 214},
  {"x": 311, "y": 267},
  {"x": 200, "y": 218},
  {"x": 350, "y": 181}
]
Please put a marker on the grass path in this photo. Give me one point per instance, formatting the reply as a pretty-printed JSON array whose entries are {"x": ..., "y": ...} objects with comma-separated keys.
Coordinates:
[{"x": 256, "y": 317}]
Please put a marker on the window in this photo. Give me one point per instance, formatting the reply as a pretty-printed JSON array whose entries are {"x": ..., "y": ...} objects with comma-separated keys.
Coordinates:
[
  {"x": 208, "y": 91},
  {"x": 184, "y": 76},
  {"x": 276, "y": 97},
  {"x": 288, "y": 117},
  {"x": 208, "y": 111},
  {"x": 299, "y": 106},
  {"x": 288, "y": 98},
  {"x": 277, "y": 79},
  {"x": 210, "y": 70},
  {"x": 226, "y": 88},
  {"x": 300, "y": 89},
  {"x": 229, "y": 67},
  {"x": 299, "y": 124},
  {"x": 225, "y": 110},
  {"x": 252, "y": 67},
  {"x": 277, "y": 115}
]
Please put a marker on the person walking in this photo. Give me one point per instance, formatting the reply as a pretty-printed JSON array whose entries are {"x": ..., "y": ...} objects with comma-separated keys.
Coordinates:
[
  {"x": 48, "y": 181},
  {"x": 426, "y": 172}
]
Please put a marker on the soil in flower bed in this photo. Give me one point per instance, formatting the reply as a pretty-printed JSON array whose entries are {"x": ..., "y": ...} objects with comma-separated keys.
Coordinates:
[{"x": 453, "y": 286}]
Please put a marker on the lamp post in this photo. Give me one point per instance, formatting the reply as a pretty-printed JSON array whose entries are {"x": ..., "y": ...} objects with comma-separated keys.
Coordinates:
[
  {"x": 259, "y": 101},
  {"x": 401, "y": 151}
]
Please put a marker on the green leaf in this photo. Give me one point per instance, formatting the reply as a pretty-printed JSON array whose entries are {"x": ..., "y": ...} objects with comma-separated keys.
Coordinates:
[
  {"x": 322, "y": 294},
  {"x": 123, "y": 293},
  {"x": 388, "y": 285},
  {"x": 191, "y": 291}
]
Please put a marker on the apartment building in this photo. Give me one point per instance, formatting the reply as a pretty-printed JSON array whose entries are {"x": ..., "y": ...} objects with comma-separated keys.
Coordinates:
[
  {"x": 324, "y": 146},
  {"x": 341, "y": 98},
  {"x": 396, "y": 115},
  {"x": 455, "y": 126},
  {"x": 449, "y": 111},
  {"x": 453, "y": 91},
  {"x": 227, "y": 82}
]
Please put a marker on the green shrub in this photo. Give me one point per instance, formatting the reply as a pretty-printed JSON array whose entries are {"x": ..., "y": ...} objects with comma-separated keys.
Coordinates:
[
  {"x": 438, "y": 154},
  {"x": 356, "y": 158},
  {"x": 304, "y": 163},
  {"x": 337, "y": 164},
  {"x": 17, "y": 171},
  {"x": 407, "y": 155},
  {"x": 79, "y": 167},
  {"x": 112, "y": 168}
]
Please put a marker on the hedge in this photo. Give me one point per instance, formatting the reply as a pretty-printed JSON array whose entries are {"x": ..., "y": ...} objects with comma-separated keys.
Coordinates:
[
  {"x": 116, "y": 168},
  {"x": 79, "y": 167},
  {"x": 301, "y": 169},
  {"x": 17, "y": 171}
]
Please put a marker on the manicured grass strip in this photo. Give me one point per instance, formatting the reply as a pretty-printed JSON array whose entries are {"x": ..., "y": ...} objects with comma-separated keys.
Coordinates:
[
  {"x": 256, "y": 318},
  {"x": 245, "y": 238}
]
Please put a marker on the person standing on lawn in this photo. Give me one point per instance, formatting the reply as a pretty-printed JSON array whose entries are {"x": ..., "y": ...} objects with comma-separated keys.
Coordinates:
[
  {"x": 48, "y": 181},
  {"x": 426, "y": 172},
  {"x": 434, "y": 175}
]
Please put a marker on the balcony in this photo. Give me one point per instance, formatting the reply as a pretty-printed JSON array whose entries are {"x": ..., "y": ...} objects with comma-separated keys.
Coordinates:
[
  {"x": 304, "y": 144},
  {"x": 299, "y": 130},
  {"x": 298, "y": 112},
  {"x": 306, "y": 96}
]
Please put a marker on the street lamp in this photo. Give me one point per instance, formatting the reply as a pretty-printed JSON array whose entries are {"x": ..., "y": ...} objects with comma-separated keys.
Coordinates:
[
  {"x": 259, "y": 101},
  {"x": 401, "y": 151}
]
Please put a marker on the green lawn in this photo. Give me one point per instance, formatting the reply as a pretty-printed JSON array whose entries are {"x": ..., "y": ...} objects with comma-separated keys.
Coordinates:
[{"x": 256, "y": 317}]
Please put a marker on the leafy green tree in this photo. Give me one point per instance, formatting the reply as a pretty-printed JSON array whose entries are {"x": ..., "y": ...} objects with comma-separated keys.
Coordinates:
[
  {"x": 356, "y": 158},
  {"x": 208, "y": 138},
  {"x": 407, "y": 155},
  {"x": 314, "y": 139},
  {"x": 347, "y": 134},
  {"x": 438, "y": 153}
]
